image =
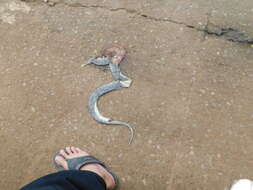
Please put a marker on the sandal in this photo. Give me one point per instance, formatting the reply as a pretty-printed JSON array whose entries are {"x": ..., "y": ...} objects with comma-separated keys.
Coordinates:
[{"x": 77, "y": 163}]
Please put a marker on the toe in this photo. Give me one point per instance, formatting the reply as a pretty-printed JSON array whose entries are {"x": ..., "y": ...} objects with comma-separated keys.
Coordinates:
[
  {"x": 73, "y": 149},
  {"x": 61, "y": 161},
  {"x": 68, "y": 150},
  {"x": 78, "y": 149},
  {"x": 63, "y": 153},
  {"x": 81, "y": 152}
]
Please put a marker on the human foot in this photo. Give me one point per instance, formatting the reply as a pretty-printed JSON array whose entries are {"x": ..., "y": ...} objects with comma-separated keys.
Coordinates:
[{"x": 72, "y": 153}]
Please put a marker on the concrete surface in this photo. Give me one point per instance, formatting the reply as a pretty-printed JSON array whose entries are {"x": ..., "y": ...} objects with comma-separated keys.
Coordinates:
[{"x": 191, "y": 98}]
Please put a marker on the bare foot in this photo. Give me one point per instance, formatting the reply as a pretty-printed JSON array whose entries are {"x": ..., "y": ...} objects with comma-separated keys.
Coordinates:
[{"x": 74, "y": 152}]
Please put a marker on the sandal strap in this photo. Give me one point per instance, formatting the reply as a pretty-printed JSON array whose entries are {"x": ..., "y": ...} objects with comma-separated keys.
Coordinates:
[{"x": 77, "y": 163}]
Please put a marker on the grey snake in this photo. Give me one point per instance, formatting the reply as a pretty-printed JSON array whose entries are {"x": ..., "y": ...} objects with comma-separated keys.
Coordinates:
[{"x": 111, "y": 56}]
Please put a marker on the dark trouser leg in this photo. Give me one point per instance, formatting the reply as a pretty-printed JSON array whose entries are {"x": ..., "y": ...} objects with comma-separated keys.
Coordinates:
[{"x": 68, "y": 180}]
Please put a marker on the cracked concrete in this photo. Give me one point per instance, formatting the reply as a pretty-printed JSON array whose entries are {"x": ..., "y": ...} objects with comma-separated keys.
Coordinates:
[
  {"x": 190, "y": 100},
  {"x": 230, "y": 34}
]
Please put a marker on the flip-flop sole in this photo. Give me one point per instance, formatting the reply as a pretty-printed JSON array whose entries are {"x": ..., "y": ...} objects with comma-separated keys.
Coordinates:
[{"x": 57, "y": 166}]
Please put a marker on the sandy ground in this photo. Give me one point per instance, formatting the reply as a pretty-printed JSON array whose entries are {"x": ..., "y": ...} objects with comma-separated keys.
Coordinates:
[{"x": 191, "y": 98}]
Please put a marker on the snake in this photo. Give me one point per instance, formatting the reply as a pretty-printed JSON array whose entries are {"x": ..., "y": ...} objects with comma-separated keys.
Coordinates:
[{"x": 111, "y": 56}]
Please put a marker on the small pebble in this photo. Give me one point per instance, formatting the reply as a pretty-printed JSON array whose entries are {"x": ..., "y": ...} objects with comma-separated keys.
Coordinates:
[
  {"x": 144, "y": 182},
  {"x": 33, "y": 109}
]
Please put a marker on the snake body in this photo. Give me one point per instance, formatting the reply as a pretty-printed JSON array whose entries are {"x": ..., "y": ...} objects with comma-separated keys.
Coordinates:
[{"x": 120, "y": 82}]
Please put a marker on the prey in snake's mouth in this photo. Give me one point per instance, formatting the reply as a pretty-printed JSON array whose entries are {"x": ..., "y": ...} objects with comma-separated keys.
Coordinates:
[{"x": 111, "y": 56}]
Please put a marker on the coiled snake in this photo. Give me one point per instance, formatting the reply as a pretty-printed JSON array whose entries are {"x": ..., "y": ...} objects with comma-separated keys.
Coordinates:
[{"x": 111, "y": 56}]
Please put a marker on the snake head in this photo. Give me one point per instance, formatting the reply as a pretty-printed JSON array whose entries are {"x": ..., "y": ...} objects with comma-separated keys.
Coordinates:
[{"x": 100, "y": 61}]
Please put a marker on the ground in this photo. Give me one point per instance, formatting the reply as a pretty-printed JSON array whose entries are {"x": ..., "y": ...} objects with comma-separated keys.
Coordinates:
[{"x": 190, "y": 101}]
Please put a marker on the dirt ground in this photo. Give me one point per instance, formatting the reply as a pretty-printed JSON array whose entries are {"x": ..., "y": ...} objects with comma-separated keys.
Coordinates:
[{"x": 190, "y": 101}]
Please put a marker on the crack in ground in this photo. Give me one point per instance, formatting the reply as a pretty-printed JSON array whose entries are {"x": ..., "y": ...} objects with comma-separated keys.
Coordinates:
[{"x": 229, "y": 34}]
